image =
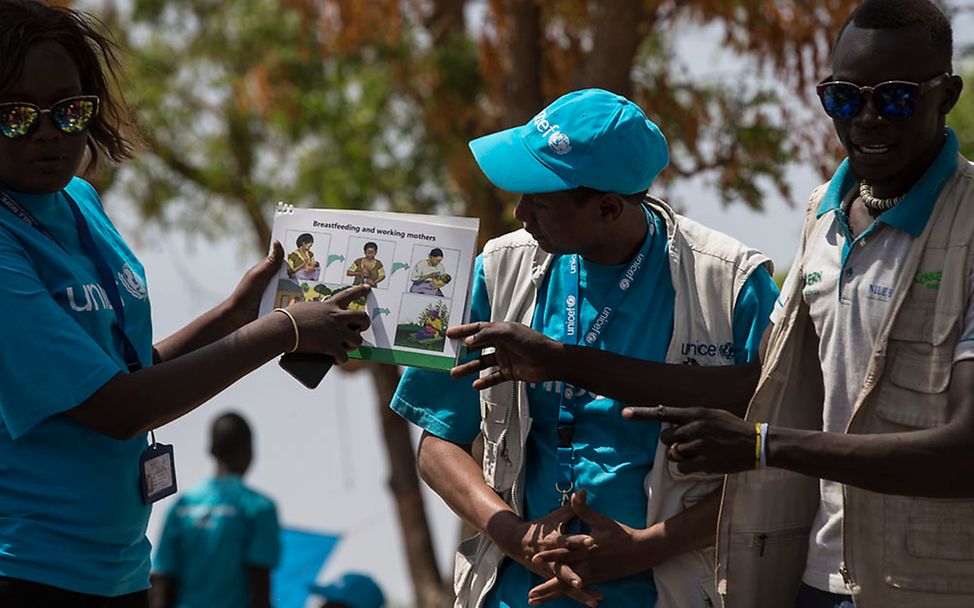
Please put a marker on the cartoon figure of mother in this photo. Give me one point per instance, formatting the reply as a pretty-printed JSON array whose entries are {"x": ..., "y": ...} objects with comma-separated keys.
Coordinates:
[
  {"x": 301, "y": 263},
  {"x": 429, "y": 275},
  {"x": 367, "y": 270}
]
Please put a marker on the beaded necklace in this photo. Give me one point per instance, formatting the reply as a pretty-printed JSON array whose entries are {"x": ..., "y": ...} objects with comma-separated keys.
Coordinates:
[{"x": 875, "y": 204}]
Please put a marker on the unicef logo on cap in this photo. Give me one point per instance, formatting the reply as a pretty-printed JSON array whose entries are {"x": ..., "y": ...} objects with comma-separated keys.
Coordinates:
[
  {"x": 590, "y": 337},
  {"x": 569, "y": 393},
  {"x": 560, "y": 144},
  {"x": 624, "y": 284}
]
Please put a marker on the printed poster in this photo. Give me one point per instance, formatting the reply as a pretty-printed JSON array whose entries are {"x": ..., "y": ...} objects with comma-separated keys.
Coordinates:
[{"x": 419, "y": 268}]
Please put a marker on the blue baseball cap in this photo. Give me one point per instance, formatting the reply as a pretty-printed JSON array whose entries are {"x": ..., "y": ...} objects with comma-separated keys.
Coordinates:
[
  {"x": 352, "y": 589},
  {"x": 591, "y": 138}
]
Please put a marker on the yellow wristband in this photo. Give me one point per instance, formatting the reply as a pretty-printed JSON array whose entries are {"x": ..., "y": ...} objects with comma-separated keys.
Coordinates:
[
  {"x": 297, "y": 334},
  {"x": 757, "y": 446}
]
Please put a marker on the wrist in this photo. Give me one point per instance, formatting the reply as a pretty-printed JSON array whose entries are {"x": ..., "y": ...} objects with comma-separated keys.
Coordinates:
[
  {"x": 234, "y": 313},
  {"x": 280, "y": 330},
  {"x": 507, "y": 531},
  {"x": 649, "y": 545}
]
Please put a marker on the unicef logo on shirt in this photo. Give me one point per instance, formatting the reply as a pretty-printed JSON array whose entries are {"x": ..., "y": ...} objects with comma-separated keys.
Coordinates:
[
  {"x": 570, "y": 301},
  {"x": 590, "y": 337},
  {"x": 624, "y": 284},
  {"x": 133, "y": 283},
  {"x": 560, "y": 144}
]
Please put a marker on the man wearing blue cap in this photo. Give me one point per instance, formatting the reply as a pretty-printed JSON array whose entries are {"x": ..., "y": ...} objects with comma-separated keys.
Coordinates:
[{"x": 602, "y": 267}]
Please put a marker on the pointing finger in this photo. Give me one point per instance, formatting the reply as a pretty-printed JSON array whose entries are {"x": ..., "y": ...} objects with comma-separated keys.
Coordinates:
[
  {"x": 346, "y": 296},
  {"x": 462, "y": 331},
  {"x": 660, "y": 413}
]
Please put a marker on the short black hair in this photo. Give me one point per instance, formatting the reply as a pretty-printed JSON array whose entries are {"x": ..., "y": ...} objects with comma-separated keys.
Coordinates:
[
  {"x": 370, "y": 245},
  {"x": 436, "y": 253},
  {"x": 305, "y": 238},
  {"x": 895, "y": 14},
  {"x": 229, "y": 435}
]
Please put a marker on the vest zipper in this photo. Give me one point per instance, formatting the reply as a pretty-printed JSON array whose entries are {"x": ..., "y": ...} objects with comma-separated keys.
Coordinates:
[
  {"x": 517, "y": 511},
  {"x": 846, "y": 577},
  {"x": 488, "y": 587},
  {"x": 517, "y": 476}
]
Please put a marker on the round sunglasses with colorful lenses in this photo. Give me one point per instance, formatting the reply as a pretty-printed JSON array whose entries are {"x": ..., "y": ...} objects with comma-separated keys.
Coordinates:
[
  {"x": 893, "y": 100},
  {"x": 72, "y": 115}
]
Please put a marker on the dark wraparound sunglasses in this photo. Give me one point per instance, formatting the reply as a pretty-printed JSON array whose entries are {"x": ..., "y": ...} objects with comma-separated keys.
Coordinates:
[
  {"x": 893, "y": 100},
  {"x": 72, "y": 115}
]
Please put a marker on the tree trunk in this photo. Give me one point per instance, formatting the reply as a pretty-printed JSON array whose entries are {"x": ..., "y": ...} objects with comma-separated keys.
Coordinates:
[
  {"x": 429, "y": 589},
  {"x": 522, "y": 46},
  {"x": 617, "y": 31}
]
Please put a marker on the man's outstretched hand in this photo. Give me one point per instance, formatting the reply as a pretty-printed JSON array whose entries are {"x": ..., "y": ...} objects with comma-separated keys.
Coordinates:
[
  {"x": 702, "y": 439},
  {"x": 520, "y": 353}
]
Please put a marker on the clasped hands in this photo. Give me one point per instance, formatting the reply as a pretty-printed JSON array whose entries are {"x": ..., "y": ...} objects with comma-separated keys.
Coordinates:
[{"x": 571, "y": 563}]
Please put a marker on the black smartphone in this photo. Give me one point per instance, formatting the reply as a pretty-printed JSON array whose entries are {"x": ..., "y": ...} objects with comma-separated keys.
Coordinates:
[{"x": 308, "y": 368}]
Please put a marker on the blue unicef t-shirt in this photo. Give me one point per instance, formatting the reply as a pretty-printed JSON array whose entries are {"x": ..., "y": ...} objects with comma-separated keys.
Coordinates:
[
  {"x": 71, "y": 513},
  {"x": 612, "y": 456},
  {"x": 212, "y": 534}
]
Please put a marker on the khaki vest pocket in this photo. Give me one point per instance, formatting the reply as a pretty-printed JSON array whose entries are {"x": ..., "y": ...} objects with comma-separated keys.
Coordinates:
[
  {"x": 931, "y": 538},
  {"x": 929, "y": 545},
  {"x": 464, "y": 562},
  {"x": 916, "y": 393},
  {"x": 771, "y": 562},
  {"x": 497, "y": 463}
]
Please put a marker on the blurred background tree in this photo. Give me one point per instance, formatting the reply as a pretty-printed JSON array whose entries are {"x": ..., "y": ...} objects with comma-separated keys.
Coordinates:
[
  {"x": 355, "y": 104},
  {"x": 961, "y": 119}
]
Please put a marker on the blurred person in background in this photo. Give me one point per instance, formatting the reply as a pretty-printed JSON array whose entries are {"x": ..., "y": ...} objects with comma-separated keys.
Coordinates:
[{"x": 221, "y": 539}]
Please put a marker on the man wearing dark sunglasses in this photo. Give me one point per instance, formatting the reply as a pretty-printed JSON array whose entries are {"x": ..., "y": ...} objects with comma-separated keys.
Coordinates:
[{"x": 864, "y": 414}]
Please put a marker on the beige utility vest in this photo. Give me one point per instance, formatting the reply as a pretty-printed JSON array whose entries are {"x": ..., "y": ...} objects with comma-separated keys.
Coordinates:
[
  {"x": 900, "y": 552},
  {"x": 708, "y": 271}
]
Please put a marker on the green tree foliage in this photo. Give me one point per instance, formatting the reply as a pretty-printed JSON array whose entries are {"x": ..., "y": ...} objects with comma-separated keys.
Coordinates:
[
  {"x": 363, "y": 104},
  {"x": 242, "y": 107},
  {"x": 961, "y": 119}
]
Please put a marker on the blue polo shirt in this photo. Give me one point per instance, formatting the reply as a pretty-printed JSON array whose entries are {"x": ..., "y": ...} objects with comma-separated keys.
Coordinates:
[
  {"x": 612, "y": 456},
  {"x": 71, "y": 514},
  {"x": 212, "y": 534}
]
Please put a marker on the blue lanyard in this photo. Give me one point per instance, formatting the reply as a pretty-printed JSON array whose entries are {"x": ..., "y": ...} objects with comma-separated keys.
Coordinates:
[
  {"x": 106, "y": 276},
  {"x": 566, "y": 405}
]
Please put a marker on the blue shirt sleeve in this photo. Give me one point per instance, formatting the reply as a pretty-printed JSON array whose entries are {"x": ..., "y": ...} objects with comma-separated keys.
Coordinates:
[
  {"x": 435, "y": 401},
  {"x": 752, "y": 314},
  {"x": 49, "y": 364},
  {"x": 264, "y": 547}
]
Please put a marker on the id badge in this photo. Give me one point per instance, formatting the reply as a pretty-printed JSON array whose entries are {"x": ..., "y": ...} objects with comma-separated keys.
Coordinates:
[{"x": 157, "y": 473}]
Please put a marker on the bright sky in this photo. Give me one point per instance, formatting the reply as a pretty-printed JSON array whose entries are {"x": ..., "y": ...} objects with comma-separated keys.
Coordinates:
[{"x": 319, "y": 453}]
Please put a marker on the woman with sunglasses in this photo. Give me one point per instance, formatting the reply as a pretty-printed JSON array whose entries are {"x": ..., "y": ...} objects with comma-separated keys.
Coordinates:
[{"x": 81, "y": 382}]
